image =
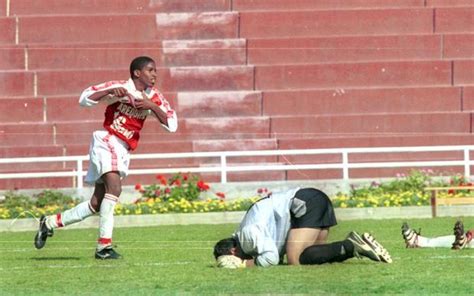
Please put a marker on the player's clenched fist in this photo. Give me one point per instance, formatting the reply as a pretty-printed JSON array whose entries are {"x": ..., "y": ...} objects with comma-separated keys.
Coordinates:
[{"x": 230, "y": 261}]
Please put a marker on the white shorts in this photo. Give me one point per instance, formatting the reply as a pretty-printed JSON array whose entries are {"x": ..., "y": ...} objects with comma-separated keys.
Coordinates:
[{"x": 107, "y": 153}]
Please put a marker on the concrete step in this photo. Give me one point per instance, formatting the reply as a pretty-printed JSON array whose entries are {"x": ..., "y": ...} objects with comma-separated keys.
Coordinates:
[
  {"x": 454, "y": 19},
  {"x": 211, "y": 78},
  {"x": 3, "y": 8},
  {"x": 464, "y": 72},
  {"x": 468, "y": 98},
  {"x": 191, "y": 6},
  {"x": 87, "y": 28},
  {"x": 271, "y": 24},
  {"x": 74, "y": 81},
  {"x": 347, "y": 75},
  {"x": 16, "y": 83},
  {"x": 458, "y": 46},
  {"x": 449, "y": 3},
  {"x": 306, "y": 50},
  {"x": 39, "y": 183},
  {"x": 22, "y": 109},
  {"x": 362, "y": 101},
  {"x": 61, "y": 7},
  {"x": 8, "y": 30},
  {"x": 219, "y": 104},
  {"x": 224, "y": 128},
  {"x": 26, "y": 134},
  {"x": 143, "y": 27},
  {"x": 204, "y": 52},
  {"x": 197, "y": 25},
  {"x": 169, "y": 53},
  {"x": 12, "y": 58},
  {"x": 73, "y": 132},
  {"x": 288, "y": 5},
  {"x": 377, "y": 124}
]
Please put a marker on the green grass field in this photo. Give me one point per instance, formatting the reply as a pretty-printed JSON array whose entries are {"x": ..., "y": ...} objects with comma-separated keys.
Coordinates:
[{"x": 171, "y": 260}]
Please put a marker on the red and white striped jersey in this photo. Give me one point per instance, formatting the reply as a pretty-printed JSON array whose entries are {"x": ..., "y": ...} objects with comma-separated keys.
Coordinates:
[{"x": 121, "y": 117}]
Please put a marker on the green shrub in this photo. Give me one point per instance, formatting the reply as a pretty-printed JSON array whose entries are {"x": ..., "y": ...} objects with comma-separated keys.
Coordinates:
[
  {"x": 13, "y": 200},
  {"x": 52, "y": 198}
]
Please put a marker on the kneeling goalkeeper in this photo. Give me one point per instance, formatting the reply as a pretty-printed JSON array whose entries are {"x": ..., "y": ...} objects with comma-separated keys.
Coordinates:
[{"x": 296, "y": 223}]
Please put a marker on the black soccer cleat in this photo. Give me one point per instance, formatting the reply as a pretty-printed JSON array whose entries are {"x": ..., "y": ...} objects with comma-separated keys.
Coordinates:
[
  {"x": 367, "y": 246},
  {"x": 461, "y": 240},
  {"x": 107, "y": 253},
  {"x": 410, "y": 236},
  {"x": 42, "y": 234}
]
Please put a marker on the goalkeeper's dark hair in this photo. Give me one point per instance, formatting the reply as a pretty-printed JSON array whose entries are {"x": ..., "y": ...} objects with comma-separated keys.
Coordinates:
[
  {"x": 139, "y": 63},
  {"x": 224, "y": 246}
]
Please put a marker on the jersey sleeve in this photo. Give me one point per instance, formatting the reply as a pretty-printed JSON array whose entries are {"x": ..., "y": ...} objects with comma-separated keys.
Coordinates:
[
  {"x": 165, "y": 106},
  {"x": 84, "y": 98},
  {"x": 254, "y": 240}
]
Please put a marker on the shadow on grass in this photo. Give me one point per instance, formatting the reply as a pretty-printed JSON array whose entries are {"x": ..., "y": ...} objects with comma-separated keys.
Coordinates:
[{"x": 55, "y": 258}]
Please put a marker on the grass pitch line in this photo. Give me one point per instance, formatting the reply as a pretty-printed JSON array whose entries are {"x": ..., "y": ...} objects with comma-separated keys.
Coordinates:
[
  {"x": 452, "y": 257},
  {"x": 121, "y": 248},
  {"x": 98, "y": 264}
]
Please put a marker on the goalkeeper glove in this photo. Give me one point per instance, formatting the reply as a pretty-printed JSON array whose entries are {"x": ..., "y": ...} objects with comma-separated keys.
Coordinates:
[{"x": 230, "y": 261}]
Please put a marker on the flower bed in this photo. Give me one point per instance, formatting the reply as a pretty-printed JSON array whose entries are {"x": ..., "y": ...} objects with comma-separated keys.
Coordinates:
[
  {"x": 181, "y": 194},
  {"x": 404, "y": 190}
]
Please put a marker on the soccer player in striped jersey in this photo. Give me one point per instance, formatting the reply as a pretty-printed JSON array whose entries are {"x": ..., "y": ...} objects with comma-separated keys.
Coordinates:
[
  {"x": 128, "y": 105},
  {"x": 296, "y": 223}
]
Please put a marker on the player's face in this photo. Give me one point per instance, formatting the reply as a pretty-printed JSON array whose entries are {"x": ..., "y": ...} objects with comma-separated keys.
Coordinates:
[{"x": 148, "y": 75}]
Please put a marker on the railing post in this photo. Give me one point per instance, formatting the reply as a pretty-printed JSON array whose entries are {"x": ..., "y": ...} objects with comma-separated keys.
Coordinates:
[
  {"x": 80, "y": 183},
  {"x": 433, "y": 203},
  {"x": 223, "y": 169},
  {"x": 345, "y": 166},
  {"x": 467, "y": 166}
]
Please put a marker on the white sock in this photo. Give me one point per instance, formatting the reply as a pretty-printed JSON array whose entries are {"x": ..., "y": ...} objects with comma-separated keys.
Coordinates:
[
  {"x": 470, "y": 245},
  {"x": 436, "y": 242},
  {"x": 106, "y": 222},
  {"x": 76, "y": 214}
]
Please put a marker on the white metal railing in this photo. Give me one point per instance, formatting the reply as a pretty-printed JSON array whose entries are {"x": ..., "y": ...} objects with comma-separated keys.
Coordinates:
[{"x": 223, "y": 168}]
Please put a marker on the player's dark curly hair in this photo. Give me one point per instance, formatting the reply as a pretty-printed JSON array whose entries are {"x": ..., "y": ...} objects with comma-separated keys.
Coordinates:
[
  {"x": 139, "y": 63},
  {"x": 224, "y": 246}
]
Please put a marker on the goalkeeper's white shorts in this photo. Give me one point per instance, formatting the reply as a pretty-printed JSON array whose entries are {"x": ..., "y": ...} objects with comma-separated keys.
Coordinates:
[{"x": 107, "y": 153}]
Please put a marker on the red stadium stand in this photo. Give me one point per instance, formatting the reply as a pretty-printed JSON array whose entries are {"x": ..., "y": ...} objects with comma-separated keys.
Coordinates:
[
  {"x": 12, "y": 58},
  {"x": 458, "y": 46},
  {"x": 285, "y": 5},
  {"x": 274, "y": 24},
  {"x": 8, "y": 30},
  {"x": 375, "y": 74},
  {"x": 242, "y": 75},
  {"x": 304, "y": 50}
]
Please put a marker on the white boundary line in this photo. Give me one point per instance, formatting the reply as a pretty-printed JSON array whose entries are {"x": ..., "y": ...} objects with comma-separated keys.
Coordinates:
[{"x": 58, "y": 266}]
